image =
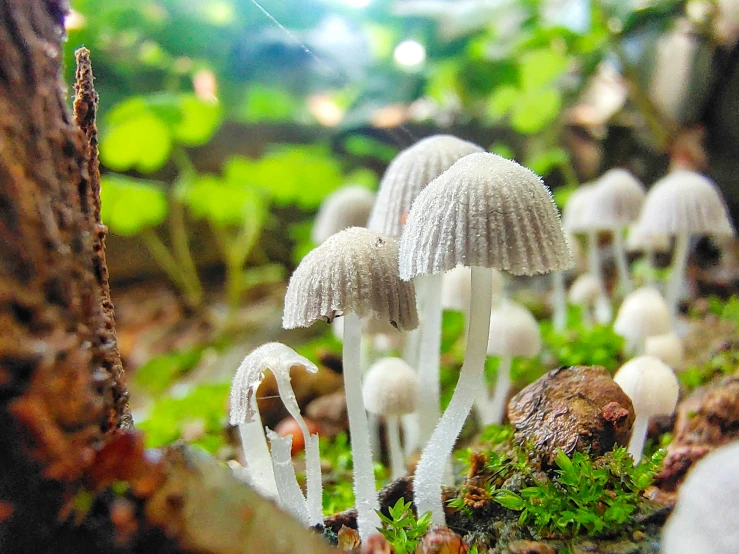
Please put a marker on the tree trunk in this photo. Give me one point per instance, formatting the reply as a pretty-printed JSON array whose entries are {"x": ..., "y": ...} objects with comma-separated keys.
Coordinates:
[{"x": 74, "y": 476}]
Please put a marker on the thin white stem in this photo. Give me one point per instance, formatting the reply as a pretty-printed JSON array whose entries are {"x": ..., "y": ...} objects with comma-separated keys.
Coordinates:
[
  {"x": 621, "y": 262},
  {"x": 364, "y": 476},
  {"x": 373, "y": 427},
  {"x": 397, "y": 459},
  {"x": 586, "y": 316},
  {"x": 649, "y": 263},
  {"x": 257, "y": 460},
  {"x": 313, "y": 484},
  {"x": 430, "y": 469},
  {"x": 559, "y": 315},
  {"x": 603, "y": 309},
  {"x": 679, "y": 262},
  {"x": 291, "y": 497},
  {"x": 428, "y": 357},
  {"x": 411, "y": 425},
  {"x": 638, "y": 437},
  {"x": 497, "y": 406}
]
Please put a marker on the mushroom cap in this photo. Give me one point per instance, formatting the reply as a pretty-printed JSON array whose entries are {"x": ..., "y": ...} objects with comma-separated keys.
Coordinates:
[
  {"x": 667, "y": 347},
  {"x": 643, "y": 313},
  {"x": 513, "y": 331},
  {"x": 584, "y": 290},
  {"x": 684, "y": 202},
  {"x": 390, "y": 388},
  {"x": 456, "y": 286},
  {"x": 577, "y": 208},
  {"x": 615, "y": 201},
  {"x": 409, "y": 173},
  {"x": 484, "y": 211},
  {"x": 355, "y": 270},
  {"x": 651, "y": 385},
  {"x": 348, "y": 206},
  {"x": 273, "y": 356},
  {"x": 705, "y": 515},
  {"x": 635, "y": 241}
]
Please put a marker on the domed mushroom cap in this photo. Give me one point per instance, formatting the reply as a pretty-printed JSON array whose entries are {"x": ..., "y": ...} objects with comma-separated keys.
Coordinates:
[
  {"x": 513, "y": 331},
  {"x": 643, "y": 313},
  {"x": 273, "y": 356},
  {"x": 484, "y": 211},
  {"x": 615, "y": 201},
  {"x": 355, "y": 270},
  {"x": 408, "y": 174},
  {"x": 349, "y": 206},
  {"x": 651, "y": 385},
  {"x": 667, "y": 347},
  {"x": 705, "y": 516},
  {"x": 456, "y": 288},
  {"x": 684, "y": 201},
  {"x": 584, "y": 290},
  {"x": 390, "y": 388},
  {"x": 636, "y": 242},
  {"x": 576, "y": 209}
]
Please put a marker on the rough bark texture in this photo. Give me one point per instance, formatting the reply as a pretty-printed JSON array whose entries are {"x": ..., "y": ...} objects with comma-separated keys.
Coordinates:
[
  {"x": 576, "y": 409},
  {"x": 73, "y": 476}
]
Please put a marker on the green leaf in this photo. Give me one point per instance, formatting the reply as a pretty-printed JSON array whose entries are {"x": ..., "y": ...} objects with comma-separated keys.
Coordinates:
[
  {"x": 268, "y": 104},
  {"x": 502, "y": 101},
  {"x": 141, "y": 142},
  {"x": 540, "y": 68},
  {"x": 198, "y": 120},
  {"x": 129, "y": 205},
  {"x": 509, "y": 499},
  {"x": 534, "y": 111}
]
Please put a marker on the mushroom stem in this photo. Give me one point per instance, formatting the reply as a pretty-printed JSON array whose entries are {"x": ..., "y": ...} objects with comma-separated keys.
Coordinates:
[
  {"x": 496, "y": 408},
  {"x": 411, "y": 433},
  {"x": 621, "y": 261},
  {"x": 586, "y": 316},
  {"x": 364, "y": 476},
  {"x": 397, "y": 459},
  {"x": 291, "y": 497},
  {"x": 430, "y": 469},
  {"x": 559, "y": 317},
  {"x": 679, "y": 261},
  {"x": 649, "y": 262},
  {"x": 638, "y": 437},
  {"x": 312, "y": 457},
  {"x": 429, "y": 352},
  {"x": 603, "y": 310},
  {"x": 256, "y": 454}
]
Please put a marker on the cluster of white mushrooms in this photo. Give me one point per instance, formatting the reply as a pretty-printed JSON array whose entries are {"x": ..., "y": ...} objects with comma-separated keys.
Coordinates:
[{"x": 447, "y": 220}]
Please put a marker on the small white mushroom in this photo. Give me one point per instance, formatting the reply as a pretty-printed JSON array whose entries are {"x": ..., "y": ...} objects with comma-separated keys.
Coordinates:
[
  {"x": 390, "y": 390},
  {"x": 667, "y": 347},
  {"x": 348, "y": 206},
  {"x": 653, "y": 389},
  {"x": 584, "y": 292},
  {"x": 706, "y": 513},
  {"x": 513, "y": 332},
  {"x": 649, "y": 245},
  {"x": 643, "y": 313},
  {"x": 244, "y": 412}
]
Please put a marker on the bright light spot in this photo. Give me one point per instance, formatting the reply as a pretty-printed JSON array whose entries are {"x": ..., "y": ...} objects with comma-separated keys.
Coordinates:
[
  {"x": 356, "y": 3},
  {"x": 410, "y": 53},
  {"x": 325, "y": 109},
  {"x": 389, "y": 116},
  {"x": 205, "y": 84},
  {"x": 74, "y": 21}
]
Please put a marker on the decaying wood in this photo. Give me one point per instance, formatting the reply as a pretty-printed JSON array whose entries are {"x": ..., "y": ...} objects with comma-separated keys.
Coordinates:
[{"x": 73, "y": 476}]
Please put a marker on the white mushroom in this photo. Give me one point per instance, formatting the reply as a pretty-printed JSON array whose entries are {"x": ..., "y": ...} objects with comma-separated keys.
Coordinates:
[
  {"x": 390, "y": 390},
  {"x": 667, "y": 347},
  {"x": 653, "y": 389},
  {"x": 584, "y": 292},
  {"x": 642, "y": 314},
  {"x": 346, "y": 207}
]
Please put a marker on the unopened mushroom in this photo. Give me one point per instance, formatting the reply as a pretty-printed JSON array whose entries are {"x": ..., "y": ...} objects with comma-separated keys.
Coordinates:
[
  {"x": 406, "y": 176},
  {"x": 513, "y": 332},
  {"x": 484, "y": 212},
  {"x": 244, "y": 412},
  {"x": 390, "y": 390},
  {"x": 667, "y": 347},
  {"x": 353, "y": 274},
  {"x": 643, "y": 313},
  {"x": 706, "y": 513},
  {"x": 653, "y": 389},
  {"x": 584, "y": 292},
  {"x": 348, "y": 206},
  {"x": 683, "y": 204}
]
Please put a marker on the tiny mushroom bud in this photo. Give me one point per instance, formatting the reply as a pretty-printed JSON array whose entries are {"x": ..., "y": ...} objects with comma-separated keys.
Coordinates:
[
  {"x": 706, "y": 513},
  {"x": 653, "y": 389},
  {"x": 642, "y": 314},
  {"x": 353, "y": 274},
  {"x": 349, "y": 206},
  {"x": 390, "y": 390},
  {"x": 513, "y": 332},
  {"x": 584, "y": 292},
  {"x": 667, "y": 347},
  {"x": 484, "y": 212}
]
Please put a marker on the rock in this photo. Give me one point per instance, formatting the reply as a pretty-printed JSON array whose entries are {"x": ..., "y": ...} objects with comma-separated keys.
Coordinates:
[
  {"x": 530, "y": 547},
  {"x": 576, "y": 409},
  {"x": 329, "y": 412},
  {"x": 441, "y": 540},
  {"x": 706, "y": 419}
]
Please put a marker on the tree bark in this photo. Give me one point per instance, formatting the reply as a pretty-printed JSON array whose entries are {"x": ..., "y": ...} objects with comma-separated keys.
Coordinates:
[{"x": 74, "y": 476}]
